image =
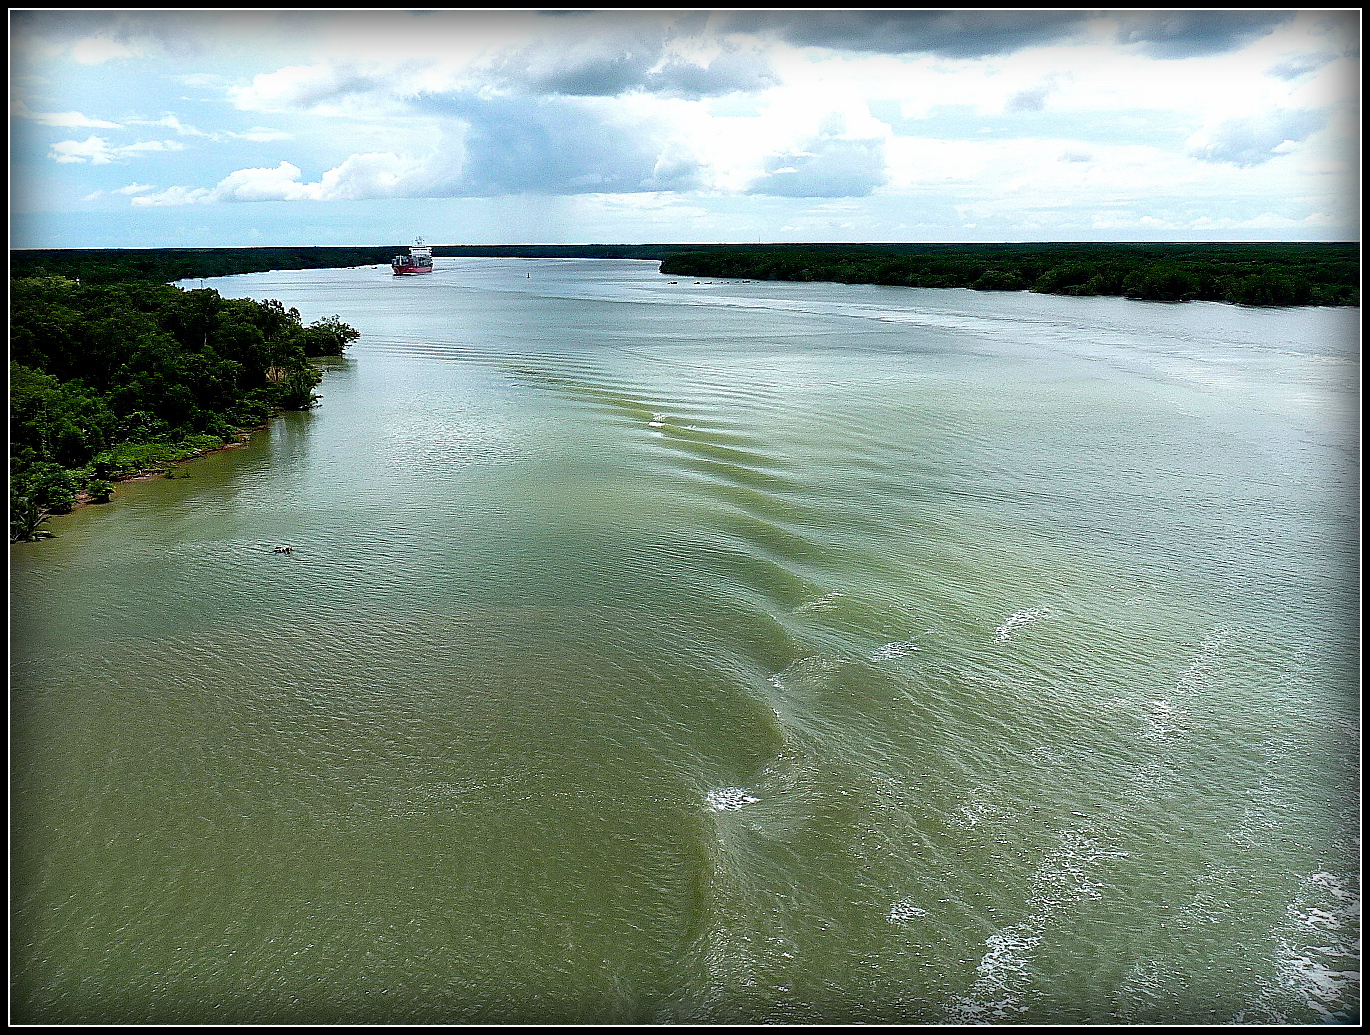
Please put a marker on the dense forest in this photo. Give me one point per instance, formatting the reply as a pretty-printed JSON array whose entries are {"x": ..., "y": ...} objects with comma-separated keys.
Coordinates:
[
  {"x": 1249, "y": 274},
  {"x": 111, "y": 380}
]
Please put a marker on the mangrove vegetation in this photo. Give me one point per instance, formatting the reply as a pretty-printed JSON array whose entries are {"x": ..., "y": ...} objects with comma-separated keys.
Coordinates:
[
  {"x": 112, "y": 380},
  {"x": 164, "y": 265},
  {"x": 1247, "y": 274}
]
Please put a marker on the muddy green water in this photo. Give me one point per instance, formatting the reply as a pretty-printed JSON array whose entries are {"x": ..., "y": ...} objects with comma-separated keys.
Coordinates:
[{"x": 711, "y": 653}]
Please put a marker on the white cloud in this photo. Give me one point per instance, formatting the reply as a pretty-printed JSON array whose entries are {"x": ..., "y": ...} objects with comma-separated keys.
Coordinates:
[
  {"x": 98, "y": 151},
  {"x": 324, "y": 87},
  {"x": 96, "y": 50},
  {"x": 556, "y": 145},
  {"x": 93, "y": 149},
  {"x": 1034, "y": 97},
  {"x": 173, "y": 196},
  {"x": 65, "y": 119},
  {"x": 1297, "y": 66},
  {"x": 144, "y": 146},
  {"x": 1022, "y": 121},
  {"x": 634, "y": 56},
  {"x": 279, "y": 184},
  {"x": 170, "y": 122},
  {"x": 369, "y": 176},
  {"x": 1253, "y": 140},
  {"x": 261, "y": 135},
  {"x": 832, "y": 164},
  {"x": 360, "y": 177},
  {"x": 258, "y": 134}
]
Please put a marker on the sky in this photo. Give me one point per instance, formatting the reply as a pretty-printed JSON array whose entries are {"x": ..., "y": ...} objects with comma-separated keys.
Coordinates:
[{"x": 185, "y": 128}]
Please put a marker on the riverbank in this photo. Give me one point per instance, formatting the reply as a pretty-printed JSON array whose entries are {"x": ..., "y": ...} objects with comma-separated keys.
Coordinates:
[{"x": 84, "y": 498}]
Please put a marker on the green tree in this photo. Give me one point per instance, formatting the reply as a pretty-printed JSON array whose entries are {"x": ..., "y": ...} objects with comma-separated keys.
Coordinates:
[
  {"x": 47, "y": 486},
  {"x": 25, "y": 518},
  {"x": 1000, "y": 280},
  {"x": 328, "y": 337},
  {"x": 296, "y": 390}
]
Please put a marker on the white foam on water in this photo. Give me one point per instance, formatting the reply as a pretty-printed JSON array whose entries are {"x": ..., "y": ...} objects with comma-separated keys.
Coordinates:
[
  {"x": 806, "y": 674},
  {"x": 1335, "y": 889},
  {"x": 1144, "y": 985},
  {"x": 1062, "y": 879},
  {"x": 1317, "y": 958},
  {"x": 976, "y": 811},
  {"x": 1164, "y": 719},
  {"x": 1259, "y": 824},
  {"x": 995, "y": 995},
  {"x": 904, "y": 910},
  {"x": 1195, "y": 677},
  {"x": 728, "y": 799},
  {"x": 890, "y": 651},
  {"x": 1066, "y": 876},
  {"x": 1320, "y": 918},
  {"x": 1016, "y": 620}
]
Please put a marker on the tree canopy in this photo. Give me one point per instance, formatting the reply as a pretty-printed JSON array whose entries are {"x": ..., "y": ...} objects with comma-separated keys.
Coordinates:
[{"x": 108, "y": 380}]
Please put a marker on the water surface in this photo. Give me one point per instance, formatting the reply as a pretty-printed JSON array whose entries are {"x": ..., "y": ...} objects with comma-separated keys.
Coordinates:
[{"x": 713, "y": 652}]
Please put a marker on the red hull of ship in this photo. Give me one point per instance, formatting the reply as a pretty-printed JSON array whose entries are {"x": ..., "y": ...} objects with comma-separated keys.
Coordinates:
[{"x": 409, "y": 271}]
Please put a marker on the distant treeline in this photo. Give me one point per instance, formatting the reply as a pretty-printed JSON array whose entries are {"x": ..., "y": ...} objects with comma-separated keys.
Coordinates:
[
  {"x": 110, "y": 380},
  {"x": 164, "y": 265},
  {"x": 563, "y": 251},
  {"x": 1249, "y": 274}
]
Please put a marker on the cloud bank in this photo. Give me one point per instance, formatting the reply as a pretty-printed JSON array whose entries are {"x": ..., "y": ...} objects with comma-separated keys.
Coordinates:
[{"x": 955, "y": 117}]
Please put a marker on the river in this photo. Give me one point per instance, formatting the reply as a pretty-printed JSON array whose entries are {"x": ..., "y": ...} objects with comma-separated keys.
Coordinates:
[{"x": 713, "y": 652}]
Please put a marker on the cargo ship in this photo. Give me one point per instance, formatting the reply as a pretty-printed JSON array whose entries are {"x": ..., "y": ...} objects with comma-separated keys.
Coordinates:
[{"x": 419, "y": 260}]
